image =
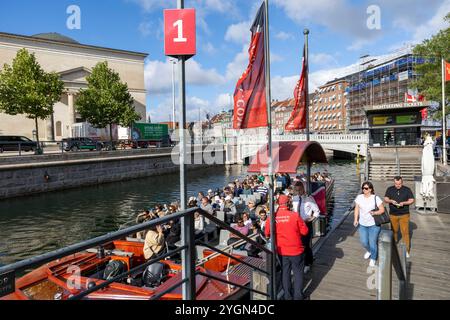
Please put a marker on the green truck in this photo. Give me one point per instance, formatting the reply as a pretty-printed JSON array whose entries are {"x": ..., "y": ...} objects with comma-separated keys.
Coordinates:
[{"x": 144, "y": 135}]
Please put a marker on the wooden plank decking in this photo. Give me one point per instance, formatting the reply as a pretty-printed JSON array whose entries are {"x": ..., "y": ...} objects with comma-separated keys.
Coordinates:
[{"x": 341, "y": 273}]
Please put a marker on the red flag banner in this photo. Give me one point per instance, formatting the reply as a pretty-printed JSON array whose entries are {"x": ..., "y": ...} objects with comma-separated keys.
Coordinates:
[
  {"x": 447, "y": 71},
  {"x": 297, "y": 120},
  {"x": 250, "y": 108}
]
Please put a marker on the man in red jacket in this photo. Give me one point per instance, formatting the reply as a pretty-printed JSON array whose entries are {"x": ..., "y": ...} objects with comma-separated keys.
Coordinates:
[{"x": 289, "y": 230}]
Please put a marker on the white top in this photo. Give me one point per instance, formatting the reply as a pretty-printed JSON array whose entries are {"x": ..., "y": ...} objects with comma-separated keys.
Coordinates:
[
  {"x": 366, "y": 205},
  {"x": 308, "y": 210}
]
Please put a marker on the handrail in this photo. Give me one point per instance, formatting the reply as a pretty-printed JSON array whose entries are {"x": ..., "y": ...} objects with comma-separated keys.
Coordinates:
[
  {"x": 120, "y": 234},
  {"x": 48, "y": 257},
  {"x": 389, "y": 257}
]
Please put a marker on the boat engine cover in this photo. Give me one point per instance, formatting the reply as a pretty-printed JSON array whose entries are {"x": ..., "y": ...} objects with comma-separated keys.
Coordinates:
[
  {"x": 113, "y": 269},
  {"x": 154, "y": 274}
]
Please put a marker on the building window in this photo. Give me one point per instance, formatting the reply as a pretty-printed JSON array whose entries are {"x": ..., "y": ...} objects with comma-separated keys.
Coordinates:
[{"x": 58, "y": 129}]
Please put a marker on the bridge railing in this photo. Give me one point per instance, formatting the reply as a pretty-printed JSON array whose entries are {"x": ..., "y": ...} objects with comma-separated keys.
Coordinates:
[
  {"x": 323, "y": 138},
  {"x": 390, "y": 257}
]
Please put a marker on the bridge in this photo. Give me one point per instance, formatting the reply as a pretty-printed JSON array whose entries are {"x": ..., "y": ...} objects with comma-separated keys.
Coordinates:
[{"x": 246, "y": 146}]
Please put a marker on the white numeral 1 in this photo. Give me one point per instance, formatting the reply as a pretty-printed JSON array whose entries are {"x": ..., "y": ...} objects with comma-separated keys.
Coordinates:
[{"x": 179, "y": 24}]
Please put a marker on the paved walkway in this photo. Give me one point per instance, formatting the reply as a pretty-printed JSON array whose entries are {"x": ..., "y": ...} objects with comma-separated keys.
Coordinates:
[{"x": 341, "y": 273}]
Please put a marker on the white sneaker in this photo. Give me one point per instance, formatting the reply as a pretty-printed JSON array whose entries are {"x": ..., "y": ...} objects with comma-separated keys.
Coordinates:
[
  {"x": 372, "y": 263},
  {"x": 408, "y": 255},
  {"x": 367, "y": 255},
  {"x": 306, "y": 269}
]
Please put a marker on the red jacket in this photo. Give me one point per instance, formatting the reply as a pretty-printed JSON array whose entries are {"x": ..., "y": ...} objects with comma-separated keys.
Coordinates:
[{"x": 289, "y": 229}]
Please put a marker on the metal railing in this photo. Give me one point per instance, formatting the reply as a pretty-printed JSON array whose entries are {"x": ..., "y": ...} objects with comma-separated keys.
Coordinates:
[
  {"x": 30, "y": 146},
  {"x": 187, "y": 248},
  {"x": 390, "y": 257}
]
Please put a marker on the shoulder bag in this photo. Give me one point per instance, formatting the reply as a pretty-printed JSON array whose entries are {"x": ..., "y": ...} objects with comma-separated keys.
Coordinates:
[{"x": 382, "y": 218}]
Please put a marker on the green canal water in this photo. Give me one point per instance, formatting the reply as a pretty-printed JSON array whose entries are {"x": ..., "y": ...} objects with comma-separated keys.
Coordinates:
[{"x": 38, "y": 224}]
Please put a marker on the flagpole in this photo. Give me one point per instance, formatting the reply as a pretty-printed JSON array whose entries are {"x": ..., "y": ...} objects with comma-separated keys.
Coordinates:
[
  {"x": 308, "y": 138},
  {"x": 270, "y": 163},
  {"x": 444, "y": 122}
]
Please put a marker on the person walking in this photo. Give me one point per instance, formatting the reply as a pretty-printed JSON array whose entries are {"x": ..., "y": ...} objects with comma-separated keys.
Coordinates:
[
  {"x": 399, "y": 198},
  {"x": 367, "y": 205},
  {"x": 289, "y": 230}
]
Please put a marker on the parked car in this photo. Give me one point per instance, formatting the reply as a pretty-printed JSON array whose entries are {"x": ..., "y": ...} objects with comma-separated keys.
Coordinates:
[
  {"x": 77, "y": 144},
  {"x": 16, "y": 143}
]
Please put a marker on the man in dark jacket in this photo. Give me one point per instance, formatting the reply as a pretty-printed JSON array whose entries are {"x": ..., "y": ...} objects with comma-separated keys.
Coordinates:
[{"x": 289, "y": 230}]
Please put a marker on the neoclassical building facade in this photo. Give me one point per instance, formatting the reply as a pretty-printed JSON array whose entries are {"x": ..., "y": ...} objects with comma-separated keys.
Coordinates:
[{"x": 73, "y": 62}]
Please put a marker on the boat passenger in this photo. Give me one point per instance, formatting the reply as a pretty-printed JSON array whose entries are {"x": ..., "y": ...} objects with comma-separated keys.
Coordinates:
[
  {"x": 247, "y": 190},
  {"x": 242, "y": 228},
  {"x": 199, "y": 225},
  {"x": 252, "y": 250},
  {"x": 247, "y": 220},
  {"x": 154, "y": 242},
  {"x": 229, "y": 209}
]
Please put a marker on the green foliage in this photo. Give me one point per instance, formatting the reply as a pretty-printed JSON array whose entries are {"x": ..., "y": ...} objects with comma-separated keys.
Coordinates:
[
  {"x": 25, "y": 88},
  {"x": 107, "y": 100},
  {"x": 429, "y": 82}
]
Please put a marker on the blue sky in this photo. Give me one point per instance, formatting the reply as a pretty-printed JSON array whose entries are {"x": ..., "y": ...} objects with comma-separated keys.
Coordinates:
[{"x": 339, "y": 36}]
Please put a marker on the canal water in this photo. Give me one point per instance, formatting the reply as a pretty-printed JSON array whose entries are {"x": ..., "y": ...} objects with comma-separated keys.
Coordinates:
[{"x": 38, "y": 224}]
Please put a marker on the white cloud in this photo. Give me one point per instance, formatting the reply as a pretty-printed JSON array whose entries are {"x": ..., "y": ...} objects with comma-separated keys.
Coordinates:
[
  {"x": 284, "y": 36},
  {"x": 275, "y": 58},
  {"x": 236, "y": 68},
  {"x": 224, "y": 101},
  {"x": 322, "y": 59},
  {"x": 239, "y": 32},
  {"x": 158, "y": 76},
  {"x": 145, "y": 28},
  {"x": 432, "y": 26},
  {"x": 209, "y": 48}
]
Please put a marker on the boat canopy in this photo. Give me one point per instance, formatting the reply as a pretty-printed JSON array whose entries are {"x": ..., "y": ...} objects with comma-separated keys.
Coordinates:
[{"x": 287, "y": 156}]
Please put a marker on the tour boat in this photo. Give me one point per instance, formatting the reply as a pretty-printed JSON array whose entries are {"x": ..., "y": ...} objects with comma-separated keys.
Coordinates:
[{"x": 71, "y": 275}]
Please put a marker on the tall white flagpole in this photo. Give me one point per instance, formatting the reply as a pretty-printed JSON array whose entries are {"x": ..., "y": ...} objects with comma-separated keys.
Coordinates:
[{"x": 269, "y": 136}]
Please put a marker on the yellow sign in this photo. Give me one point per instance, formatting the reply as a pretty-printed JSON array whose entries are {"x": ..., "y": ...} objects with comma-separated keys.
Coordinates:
[{"x": 377, "y": 121}]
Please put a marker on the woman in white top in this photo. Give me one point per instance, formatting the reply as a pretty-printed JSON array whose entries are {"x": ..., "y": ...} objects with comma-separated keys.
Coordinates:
[{"x": 369, "y": 232}]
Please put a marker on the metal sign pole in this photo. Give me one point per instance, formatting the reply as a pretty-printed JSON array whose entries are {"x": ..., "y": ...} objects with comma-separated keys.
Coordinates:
[
  {"x": 187, "y": 236},
  {"x": 273, "y": 293}
]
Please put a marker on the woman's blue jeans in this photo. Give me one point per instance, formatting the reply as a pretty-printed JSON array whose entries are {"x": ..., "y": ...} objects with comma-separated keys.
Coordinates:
[{"x": 369, "y": 239}]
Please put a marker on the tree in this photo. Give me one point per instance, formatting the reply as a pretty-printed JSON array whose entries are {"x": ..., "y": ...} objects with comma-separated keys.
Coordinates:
[
  {"x": 25, "y": 88},
  {"x": 429, "y": 82},
  {"x": 107, "y": 100}
]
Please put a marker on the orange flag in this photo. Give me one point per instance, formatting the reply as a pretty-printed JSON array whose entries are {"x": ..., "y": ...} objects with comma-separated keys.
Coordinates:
[{"x": 447, "y": 71}]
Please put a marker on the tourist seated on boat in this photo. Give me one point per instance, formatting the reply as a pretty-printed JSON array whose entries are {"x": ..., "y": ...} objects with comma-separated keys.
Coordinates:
[
  {"x": 230, "y": 209},
  {"x": 217, "y": 204},
  {"x": 206, "y": 205},
  {"x": 174, "y": 233},
  {"x": 200, "y": 196},
  {"x": 199, "y": 225},
  {"x": 145, "y": 216},
  {"x": 252, "y": 250},
  {"x": 247, "y": 190},
  {"x": 262, "y": 219},
  {"x": 262, "y": 189},
  {"x": 242, "y": 228},
  {"x": 159, "y": 210},
  {"x": 247, "y": 220},
  {"x": 210, "y": 194},
  {"x": 192, "y": 203},
  {"x": 154, "y": 242},
  {"x": 251, "y": 209}
]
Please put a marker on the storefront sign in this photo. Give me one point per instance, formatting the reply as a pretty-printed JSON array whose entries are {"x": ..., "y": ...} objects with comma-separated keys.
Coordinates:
[{"x": 397, "y": 106}]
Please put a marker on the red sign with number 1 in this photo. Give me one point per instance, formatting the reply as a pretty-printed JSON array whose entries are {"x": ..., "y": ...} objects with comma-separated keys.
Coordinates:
[{"x": 179, "y": 32}]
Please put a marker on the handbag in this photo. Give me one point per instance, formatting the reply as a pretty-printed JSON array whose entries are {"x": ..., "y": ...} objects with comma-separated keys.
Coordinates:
[{"x": 382, "y": 218}]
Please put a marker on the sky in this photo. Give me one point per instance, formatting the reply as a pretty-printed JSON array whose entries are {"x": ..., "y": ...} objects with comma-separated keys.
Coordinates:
[{"x": 341, "y": 31}]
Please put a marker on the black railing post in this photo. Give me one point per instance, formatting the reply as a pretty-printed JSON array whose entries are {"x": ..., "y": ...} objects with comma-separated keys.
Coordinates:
[
  {"x": 189, "y": 258},
  {"x": 20, "y": 148}
]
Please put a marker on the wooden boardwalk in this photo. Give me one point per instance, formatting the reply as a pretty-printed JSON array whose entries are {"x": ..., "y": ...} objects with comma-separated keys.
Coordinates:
[{"x": 341, "y": 273}]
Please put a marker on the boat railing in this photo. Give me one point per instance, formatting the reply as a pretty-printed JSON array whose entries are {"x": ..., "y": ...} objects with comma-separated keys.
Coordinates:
[
  {"x": 8, "y": 273},
  {"x": 390, "y": 257}
]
